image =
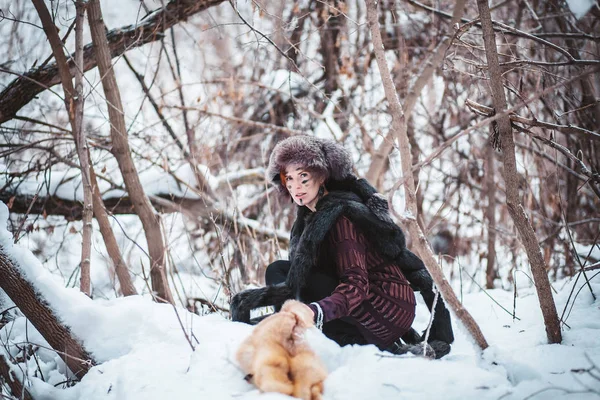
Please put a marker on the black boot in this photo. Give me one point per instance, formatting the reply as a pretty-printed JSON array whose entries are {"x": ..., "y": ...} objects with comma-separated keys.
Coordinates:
[
  {"x": 420, "y": 349},
  {"x": 440, "y": 348}
]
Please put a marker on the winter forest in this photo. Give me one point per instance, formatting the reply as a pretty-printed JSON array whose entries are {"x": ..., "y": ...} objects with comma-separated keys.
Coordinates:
[{"x": 134, "y": 137}]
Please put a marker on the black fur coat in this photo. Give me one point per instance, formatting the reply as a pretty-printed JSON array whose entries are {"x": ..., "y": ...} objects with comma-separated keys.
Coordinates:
[{"x": 357, "y": 200}]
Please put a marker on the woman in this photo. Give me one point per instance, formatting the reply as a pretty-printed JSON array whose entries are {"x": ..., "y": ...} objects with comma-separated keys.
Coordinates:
[{"x": 348, "y": 260}]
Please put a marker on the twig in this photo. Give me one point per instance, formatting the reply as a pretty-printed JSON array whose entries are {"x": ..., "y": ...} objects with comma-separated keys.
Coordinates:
[
  {"x": 208, "y": 303},
  {"x": 593, "y": 267},
  {"x": 577, "y": 294},
  {"x": 581, "y": 266},
  {"x": 283, "y": 53},
  {"x": 431, "y": 316},
  {"x": 594, "y": 178},
  {"x": 567, "y": 129},
  {"x": 488, "y": 295},
  {"x": 187, "y": 337},
  {"x": 37, "y": 121},
  {"x": 162, "y": 118},
  {"x": 35, "y": 196},
  {"x": 254, "y": 124},
  {"x": 440, "y": 149}
]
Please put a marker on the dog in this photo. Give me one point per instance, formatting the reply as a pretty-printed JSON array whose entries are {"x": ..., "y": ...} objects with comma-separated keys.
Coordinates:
[{"x": 276, "y": 358}]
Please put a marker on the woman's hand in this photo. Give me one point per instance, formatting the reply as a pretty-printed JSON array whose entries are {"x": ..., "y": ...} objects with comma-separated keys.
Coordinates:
[{"x": 304, "y": 314}]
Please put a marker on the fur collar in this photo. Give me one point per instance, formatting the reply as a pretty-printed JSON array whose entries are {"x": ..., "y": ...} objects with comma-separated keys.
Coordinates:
[{"x": 369, "y": 215}]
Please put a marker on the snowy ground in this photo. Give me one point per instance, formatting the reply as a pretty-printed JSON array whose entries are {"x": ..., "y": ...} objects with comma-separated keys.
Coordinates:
[{"x": 143, "y": 352}]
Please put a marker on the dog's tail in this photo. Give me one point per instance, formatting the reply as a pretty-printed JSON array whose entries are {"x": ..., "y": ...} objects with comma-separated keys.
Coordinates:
[{"x": 246, "y": 301}]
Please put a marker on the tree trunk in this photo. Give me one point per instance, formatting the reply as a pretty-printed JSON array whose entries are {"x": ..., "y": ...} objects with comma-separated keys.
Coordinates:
[
  {"x": 490, "y": 183},
  {"x": 398, "y": 129},
  {"x": 112, "y": 247},
  {"x": 16, "y": 386},
  {"x": 74, "y": 105},
  {"x": 513, "y": 202},
  {"x": 330, "y": 20},
  {"x": 120, "y": 149},
  {"x": 82, "y": 151},
  {"x": 36, "y": 310},
  {"x": 380, "y": 158}
]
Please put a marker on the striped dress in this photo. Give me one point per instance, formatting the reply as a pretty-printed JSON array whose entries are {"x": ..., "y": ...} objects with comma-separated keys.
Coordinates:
[{"x": 373, "y": 293}]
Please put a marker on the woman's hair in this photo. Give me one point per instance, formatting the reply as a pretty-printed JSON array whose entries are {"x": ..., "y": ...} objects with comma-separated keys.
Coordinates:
[{"x": 282, "y": 178}]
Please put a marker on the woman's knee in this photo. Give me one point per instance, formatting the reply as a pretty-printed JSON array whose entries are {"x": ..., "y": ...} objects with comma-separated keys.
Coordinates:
[{"x": 277, "y": 272}]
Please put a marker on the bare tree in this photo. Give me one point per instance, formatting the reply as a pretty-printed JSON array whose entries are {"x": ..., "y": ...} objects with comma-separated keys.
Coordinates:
[
  {"x": 24, "y": 89},
  {"x": 74, "y": 104},
  {"x": 399, "y": 130},
  {"x": 490, "y": 181},
  {"x": 12, "y": 380},
  {"x": 148, "y": 216},
  {"x": 36, "y": 310},
  {"x": 515, "y": 208}
]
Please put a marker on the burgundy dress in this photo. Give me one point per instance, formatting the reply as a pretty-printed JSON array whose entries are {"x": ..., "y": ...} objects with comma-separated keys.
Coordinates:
[{"x": 373, "y": 294}]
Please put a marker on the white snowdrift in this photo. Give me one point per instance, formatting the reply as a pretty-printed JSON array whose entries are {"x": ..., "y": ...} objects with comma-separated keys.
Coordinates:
[{"x": 144, "y": 354}]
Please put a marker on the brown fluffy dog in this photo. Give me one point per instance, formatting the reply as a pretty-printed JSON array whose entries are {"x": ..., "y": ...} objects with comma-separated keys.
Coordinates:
[{"x": 277, "y": 358}]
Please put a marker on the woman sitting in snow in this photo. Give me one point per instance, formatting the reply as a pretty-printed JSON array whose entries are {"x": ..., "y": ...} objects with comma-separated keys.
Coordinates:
[{"x": 348, "y": 260}]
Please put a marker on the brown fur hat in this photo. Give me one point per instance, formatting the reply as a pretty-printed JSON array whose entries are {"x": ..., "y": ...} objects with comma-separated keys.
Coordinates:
[{"x": 325, "y": 157}]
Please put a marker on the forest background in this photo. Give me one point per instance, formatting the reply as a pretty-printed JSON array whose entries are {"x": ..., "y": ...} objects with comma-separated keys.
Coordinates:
[{"x": 134, "y": 137}]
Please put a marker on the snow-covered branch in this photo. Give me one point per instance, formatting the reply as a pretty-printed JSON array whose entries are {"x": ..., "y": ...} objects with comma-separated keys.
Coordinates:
[{"x": 29, "y": 84}]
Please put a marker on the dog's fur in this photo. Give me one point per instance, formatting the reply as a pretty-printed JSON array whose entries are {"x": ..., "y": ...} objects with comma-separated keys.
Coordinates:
[{"x": 278, "y": 359}]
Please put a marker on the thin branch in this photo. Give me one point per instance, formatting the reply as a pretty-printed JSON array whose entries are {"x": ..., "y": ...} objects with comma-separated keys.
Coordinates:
[
  {"x": 567, "y": 35},
  {"x": 440, "y": 149},
  {"x": 254, "y": 124},
  {"x": 566, "y": 129},
  {"x": 36, "y": 121},
  {"x": 399, "y": 131},
  {"x": 283, "y": 53},
  {"x": 595, "y": 177},
  {"x": 519, "y": 63},
  {"x": 156, "y": 107},
  {"x": 535, "y": 38}
]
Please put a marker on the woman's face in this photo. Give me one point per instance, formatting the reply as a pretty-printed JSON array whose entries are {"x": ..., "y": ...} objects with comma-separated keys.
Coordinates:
[{"x": 302, "y": 185}]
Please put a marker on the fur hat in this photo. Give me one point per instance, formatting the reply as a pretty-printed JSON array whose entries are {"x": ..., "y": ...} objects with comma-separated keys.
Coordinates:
[{"x": 325, "y": 157}]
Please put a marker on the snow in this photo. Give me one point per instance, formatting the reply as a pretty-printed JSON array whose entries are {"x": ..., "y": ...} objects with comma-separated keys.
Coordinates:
[
  {"x": 155, "y": 180},
  {"x": 141, "y": 347},
  {"x": 580, "y": 7},
  {"x": 143, "y": 353},
  {"x": 588, "y": 252}
]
